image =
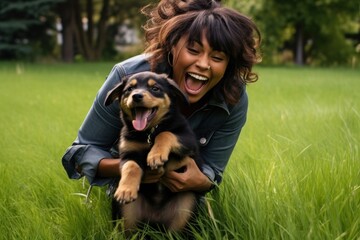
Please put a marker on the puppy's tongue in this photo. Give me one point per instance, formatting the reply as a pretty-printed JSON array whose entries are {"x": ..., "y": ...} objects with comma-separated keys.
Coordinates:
[{"x": 140, "y": 121}]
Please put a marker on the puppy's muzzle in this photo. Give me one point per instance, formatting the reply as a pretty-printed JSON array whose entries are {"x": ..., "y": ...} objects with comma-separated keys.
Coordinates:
[{"x": 138, "y": 97}]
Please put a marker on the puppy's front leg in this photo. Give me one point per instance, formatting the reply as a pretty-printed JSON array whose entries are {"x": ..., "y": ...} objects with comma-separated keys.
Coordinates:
[
  {"x": 164, "y": 143},
  {"x": 127, "y": 190}
]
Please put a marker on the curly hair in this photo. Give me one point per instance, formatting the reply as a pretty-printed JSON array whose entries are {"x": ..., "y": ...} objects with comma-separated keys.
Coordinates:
[{"x": 225, "y": 29}]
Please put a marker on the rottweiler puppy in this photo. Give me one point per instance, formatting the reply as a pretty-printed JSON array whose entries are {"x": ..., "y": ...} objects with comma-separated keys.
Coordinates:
[{"x": 155, "y": 135}]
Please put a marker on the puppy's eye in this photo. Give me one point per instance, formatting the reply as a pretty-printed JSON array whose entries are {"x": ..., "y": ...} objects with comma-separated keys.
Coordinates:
[
  {"x": 155, "y": 89},
  {"x": 129, "y": 89}
]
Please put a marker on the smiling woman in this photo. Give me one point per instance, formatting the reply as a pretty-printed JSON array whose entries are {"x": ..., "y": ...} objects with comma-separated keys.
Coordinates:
[
  {"x": 219, "y": 39},
  {"x": 197, "y": 66},
  {"x": 209, "y": 51}
]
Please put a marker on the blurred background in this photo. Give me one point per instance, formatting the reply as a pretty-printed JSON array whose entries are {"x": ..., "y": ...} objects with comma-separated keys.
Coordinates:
[{"x": 306, "y": 32}]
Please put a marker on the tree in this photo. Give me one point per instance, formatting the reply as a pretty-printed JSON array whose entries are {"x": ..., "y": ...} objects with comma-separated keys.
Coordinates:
[
  {"x": 72, "y": 14},
  {"x": 86, "y": 23},
  {"x": 66, "y": 13},
  {"x": 23, "y": 28},
  {"x": 313, "y": 30}
]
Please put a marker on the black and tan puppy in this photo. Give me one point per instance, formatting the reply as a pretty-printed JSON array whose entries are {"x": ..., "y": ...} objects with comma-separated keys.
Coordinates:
[{"x": 154, "y": 135}]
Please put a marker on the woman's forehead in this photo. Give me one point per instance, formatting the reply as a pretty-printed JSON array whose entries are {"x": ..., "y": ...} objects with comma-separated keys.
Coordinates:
[{"x": 205, "y": 35}]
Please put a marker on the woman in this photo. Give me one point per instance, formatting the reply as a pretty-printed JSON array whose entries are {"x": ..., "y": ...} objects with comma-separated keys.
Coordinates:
[{"x": 209, "y": 50}]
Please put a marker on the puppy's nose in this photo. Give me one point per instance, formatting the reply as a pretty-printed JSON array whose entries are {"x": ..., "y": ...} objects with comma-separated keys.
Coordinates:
[{"x": 137, "y": 97}]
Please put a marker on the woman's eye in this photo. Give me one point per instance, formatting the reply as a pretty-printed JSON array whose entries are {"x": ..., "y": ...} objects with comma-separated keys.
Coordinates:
[
  {"x": 219, "y": 56},
  {"x": 218, "y": 59},
  {"x": 193, "y": 50}
]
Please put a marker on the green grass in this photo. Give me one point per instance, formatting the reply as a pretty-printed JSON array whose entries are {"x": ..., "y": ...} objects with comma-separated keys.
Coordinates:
[{"x": 295, "y": 173}]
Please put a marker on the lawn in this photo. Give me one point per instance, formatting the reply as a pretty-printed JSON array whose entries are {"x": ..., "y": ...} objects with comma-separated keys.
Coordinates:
[{"x": 295, "y": 173}]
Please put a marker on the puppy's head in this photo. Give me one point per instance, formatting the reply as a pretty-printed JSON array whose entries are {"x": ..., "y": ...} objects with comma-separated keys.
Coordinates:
[{"x": 145, "y": 98}]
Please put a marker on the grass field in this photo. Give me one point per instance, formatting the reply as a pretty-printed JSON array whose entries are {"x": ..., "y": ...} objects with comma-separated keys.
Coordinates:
[{"x": 295, "y": 173}]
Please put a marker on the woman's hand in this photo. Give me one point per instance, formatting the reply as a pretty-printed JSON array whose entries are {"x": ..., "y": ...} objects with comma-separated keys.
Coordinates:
[
  {"x": 189, "y": 179},
  {"x": 111, "y": 168}
]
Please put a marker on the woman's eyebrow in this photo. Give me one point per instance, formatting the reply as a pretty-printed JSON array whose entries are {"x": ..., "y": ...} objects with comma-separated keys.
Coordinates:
[{"x": 193, "y": 42}]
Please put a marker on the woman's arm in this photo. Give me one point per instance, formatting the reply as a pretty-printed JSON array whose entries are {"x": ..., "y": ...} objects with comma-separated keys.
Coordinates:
[
  {"x": 108, "y": 168},
  {"x": 98, "y": 133}
]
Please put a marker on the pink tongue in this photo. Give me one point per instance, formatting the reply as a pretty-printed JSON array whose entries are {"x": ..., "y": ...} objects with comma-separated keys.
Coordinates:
[
  {"x": 193, "y": 84},
  {"x": 140, "y": 121}
]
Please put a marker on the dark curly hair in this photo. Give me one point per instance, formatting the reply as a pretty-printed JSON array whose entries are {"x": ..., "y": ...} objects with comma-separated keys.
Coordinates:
[{"x": 226, "y": 30}]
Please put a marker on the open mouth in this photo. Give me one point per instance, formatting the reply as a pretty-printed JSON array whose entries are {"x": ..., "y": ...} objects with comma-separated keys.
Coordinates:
[
  {"x": 194, "y": 83},
  {"x": 142, "y": 117}
]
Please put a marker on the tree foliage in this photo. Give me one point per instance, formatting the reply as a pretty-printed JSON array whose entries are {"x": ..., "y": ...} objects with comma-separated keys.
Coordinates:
[
  {"x": 314, "y": 31},
  {"x": 24, "y": 26},
  {"x": 306, "y": 31}
]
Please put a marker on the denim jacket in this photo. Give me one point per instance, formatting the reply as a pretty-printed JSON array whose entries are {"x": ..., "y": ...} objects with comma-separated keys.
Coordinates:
[{"x": 216, "y": 125}]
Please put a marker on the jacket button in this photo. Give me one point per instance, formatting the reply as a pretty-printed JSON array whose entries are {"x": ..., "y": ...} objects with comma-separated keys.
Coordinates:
[{"x": 202, "y": 140}]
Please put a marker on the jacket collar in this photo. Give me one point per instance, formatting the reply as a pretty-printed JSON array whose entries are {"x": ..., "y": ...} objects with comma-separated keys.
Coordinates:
[{"x": 220, "y": 103}]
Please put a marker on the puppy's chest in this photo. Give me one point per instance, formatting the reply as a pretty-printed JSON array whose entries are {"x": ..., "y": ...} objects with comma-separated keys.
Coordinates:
[{"x": 135, "y": 142}]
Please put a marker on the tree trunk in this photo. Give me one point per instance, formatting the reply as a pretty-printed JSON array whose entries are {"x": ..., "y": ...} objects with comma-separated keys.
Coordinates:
[
  {"x": 82, "y": 40},
  {"x": 67, "y": 33},
  {"x": 102, "y": 29},
  {"x": 299, "y": 47},
  {"x": 74, "y": 34},
  {"x": 90, "y": 21}
]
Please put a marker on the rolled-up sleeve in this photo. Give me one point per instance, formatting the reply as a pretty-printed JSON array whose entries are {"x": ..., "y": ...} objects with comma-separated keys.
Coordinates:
[{"x": 97, "y": 135}]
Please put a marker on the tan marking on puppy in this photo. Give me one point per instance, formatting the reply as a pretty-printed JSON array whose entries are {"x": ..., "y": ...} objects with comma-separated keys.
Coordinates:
[
  {"x": 163, "y": 105},
  {"x": 124, "y": 106},
  {"x": 127, "y": 190},
  {"x": 129, "y": 146},
  {"x": 185, "y": 202},
  {"x": 126, "y": 101},
  {"x": 151, "y": 82},
  {"x": 132, "y": 211},
  {"x": 147, "y": 99},
  {"x": 132, "y": 82},
  {"x": 175, "y": 164},
  {"x": 165, "y": 143}
]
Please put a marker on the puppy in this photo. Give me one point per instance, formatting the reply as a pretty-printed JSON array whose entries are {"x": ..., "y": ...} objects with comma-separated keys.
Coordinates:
[{"x": 154, "y": 135}]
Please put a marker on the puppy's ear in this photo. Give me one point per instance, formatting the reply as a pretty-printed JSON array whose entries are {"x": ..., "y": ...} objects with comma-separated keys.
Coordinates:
[
  {"x": 115, "y": 93},
  {"x": 177, "y": 92}
]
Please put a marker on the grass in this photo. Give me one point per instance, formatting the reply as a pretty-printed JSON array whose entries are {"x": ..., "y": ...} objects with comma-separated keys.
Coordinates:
[{"x": 295, "y": 173}]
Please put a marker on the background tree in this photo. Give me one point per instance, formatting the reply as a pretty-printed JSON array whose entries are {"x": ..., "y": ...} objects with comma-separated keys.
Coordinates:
[
  {"x": 24, "y": 28},
  {"x": 306, "y": 32},
  {"x": 88, "y": 22},
  {"x": 65, "y": 11},
  {"x": 314, "y": 31}
]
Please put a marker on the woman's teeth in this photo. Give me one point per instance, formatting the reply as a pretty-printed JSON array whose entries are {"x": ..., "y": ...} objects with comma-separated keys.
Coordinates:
[
  {"x": 198, "y": 77},
  {"x": 194, "y": 83}
]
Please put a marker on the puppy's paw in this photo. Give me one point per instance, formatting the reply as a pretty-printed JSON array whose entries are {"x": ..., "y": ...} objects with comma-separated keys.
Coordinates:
[
  {"x": 126, "y": 194},
  {"x": 156, "y": 159}
]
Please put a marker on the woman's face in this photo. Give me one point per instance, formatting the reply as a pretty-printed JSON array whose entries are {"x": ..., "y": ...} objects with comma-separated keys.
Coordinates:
[{"x": 191, "y": 64}]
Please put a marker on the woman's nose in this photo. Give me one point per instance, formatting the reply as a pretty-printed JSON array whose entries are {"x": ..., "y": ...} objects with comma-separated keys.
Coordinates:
[{"x": 203, "y": 62}]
